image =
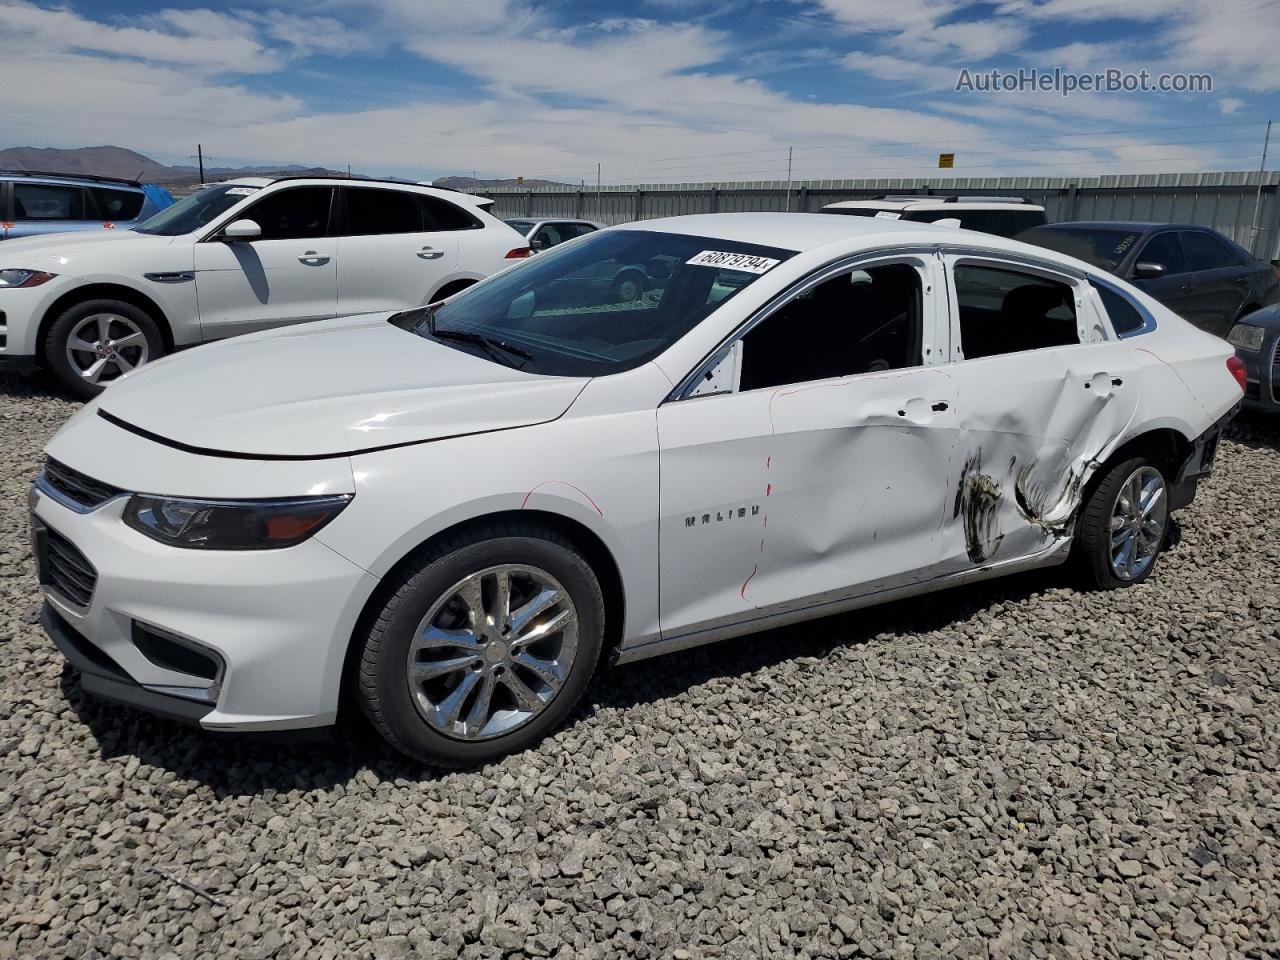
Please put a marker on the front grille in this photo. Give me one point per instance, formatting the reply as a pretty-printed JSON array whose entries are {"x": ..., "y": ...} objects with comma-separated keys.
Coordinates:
[
  {"x": 65, "y": 569},
  {"x": 1275, "y": 371},
  {"x": 74, "y": 485}
]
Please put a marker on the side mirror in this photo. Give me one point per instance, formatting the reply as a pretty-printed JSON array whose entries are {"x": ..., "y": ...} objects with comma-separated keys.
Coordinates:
[
  {"x": 537, "y": 245},
  {"x": 241, "y": 230},
  {"x": 1148, "y": 271}
]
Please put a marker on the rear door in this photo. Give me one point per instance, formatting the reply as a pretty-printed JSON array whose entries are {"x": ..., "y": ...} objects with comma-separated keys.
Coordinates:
[
  {"x": 392, "y": 254},
  {"x": 1042, "y": 391},
  {"x": 286, "y": 276},
  {"x": 1221, "y": 284}
]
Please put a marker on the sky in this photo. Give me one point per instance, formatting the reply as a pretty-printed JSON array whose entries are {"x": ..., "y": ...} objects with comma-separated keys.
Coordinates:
[{"x": 651, "y": 90}]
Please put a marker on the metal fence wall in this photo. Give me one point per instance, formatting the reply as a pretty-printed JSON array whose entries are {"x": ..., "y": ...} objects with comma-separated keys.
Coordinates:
[{"x": 1244, "y": 206}]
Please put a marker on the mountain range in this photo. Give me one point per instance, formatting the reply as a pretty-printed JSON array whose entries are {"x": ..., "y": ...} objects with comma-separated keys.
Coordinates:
[{"x": 109, "y": 161}]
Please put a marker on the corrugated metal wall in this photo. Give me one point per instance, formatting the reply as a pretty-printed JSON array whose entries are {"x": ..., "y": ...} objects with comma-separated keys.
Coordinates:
[{"x": 1244, "y": 206}]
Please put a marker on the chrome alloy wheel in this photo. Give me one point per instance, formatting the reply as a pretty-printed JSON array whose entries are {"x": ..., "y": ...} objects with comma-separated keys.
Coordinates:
[
  {"x": 492, "y": 652},
  {"x": 1138, "y": 523},
  {"x": 105, "y": 346}
]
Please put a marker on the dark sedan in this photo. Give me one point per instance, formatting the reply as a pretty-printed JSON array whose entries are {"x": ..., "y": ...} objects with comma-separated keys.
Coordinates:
[
  {"x": 1257, "y": 341},
  {"x": 1198, "y": 273}
]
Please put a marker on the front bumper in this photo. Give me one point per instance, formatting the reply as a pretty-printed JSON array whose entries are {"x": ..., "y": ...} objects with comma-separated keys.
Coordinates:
[
  {"x": 1263, "y": 369},
  {"x": 277, "y": 623}
]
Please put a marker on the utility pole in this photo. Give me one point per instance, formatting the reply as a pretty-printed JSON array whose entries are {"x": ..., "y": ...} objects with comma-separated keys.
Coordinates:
[
  {"x": 200, "y": 158},
  {"x": 599, "y": 198},
  {"x": 789, "y": 149},
  {"x": 1257, "y": 204},
  {"x": 475, "y": 182}
]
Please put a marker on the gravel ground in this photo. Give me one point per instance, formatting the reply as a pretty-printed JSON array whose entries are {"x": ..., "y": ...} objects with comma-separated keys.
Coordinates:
[{"x": 1018, "y": 770}]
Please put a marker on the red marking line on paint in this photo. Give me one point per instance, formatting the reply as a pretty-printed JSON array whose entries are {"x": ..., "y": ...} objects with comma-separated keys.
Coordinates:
[
  {"x": 525, "y": 502},
  {"x": 743, "y": 591}
]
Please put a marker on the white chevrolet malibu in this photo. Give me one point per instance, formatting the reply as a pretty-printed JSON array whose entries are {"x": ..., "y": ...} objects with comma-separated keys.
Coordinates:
[{"x": 456, "y": 514}]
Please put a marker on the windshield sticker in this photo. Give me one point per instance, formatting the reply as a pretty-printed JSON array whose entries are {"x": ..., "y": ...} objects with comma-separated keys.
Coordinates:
[
  {"x": 241, "y": 191},
  {"x": 733, "y": 261},
  {"x": 889, "y": 215}
]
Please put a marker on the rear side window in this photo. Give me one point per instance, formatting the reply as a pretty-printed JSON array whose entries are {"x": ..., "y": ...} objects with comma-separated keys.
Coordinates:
[
  {"x": 117, "y": 204},
  {"x": 294, "y": 214},
  {"x": 442, "y": 215},
  {"x": 43, "y": 201},
  {"x": 1166, "y": 250},
  {"x": 1008, "y": 311},
  {"x": 1125, "y": 318},
  {"x": 1204, "y": 251},
  {"x": 372, "y": 212}
]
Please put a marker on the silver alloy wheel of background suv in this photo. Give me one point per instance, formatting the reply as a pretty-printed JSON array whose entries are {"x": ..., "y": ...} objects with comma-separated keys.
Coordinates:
[{"x": 104, "y": 342}]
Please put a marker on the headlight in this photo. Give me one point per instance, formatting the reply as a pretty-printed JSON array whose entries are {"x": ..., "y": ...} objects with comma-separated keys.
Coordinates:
[
  {"x": 231, "y": 524},
  {"x": 1246, "y": 337},
  {"x": 24, "y": 278}
]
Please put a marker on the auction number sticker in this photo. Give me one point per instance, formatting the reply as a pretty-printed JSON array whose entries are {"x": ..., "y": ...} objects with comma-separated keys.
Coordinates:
[
  {"x": 745, "y": 262},
  {"x": 241, "y": 191},
  {"x": 889, "y": 215}
]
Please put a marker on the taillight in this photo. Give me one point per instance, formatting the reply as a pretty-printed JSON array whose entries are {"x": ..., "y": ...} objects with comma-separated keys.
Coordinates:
[
  {"x": 1236, "y": 367},
  {"x": 519, "y": 253}
]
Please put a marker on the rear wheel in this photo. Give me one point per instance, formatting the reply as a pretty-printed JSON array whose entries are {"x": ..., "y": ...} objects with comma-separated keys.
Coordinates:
[
  {"x": 484, "y": 648},
  {"x": 1124, "y": 524},
  {"x": 95, "y": 343}
]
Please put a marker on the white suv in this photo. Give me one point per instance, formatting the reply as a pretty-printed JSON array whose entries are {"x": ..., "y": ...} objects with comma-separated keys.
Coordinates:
[
  {"x": 237, "y": 257},
  {"x": 1002, "y": 216}
]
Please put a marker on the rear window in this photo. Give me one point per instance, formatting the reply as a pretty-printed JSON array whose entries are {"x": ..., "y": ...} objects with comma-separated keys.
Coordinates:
[
  {"x": 1104, "y": 249},
  {"x": 442, "y": 215},
  {"x": 371, "y": 212},
  {"x": 1125, "y": 317}
]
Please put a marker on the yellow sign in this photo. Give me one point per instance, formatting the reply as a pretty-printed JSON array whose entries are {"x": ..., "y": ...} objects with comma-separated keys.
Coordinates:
[
  {"x": 519, "y": 179},
  {"x": 946, "y": 161}
]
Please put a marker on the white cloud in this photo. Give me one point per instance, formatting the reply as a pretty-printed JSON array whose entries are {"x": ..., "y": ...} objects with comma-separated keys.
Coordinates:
[{"x": 1230, "y": 105}]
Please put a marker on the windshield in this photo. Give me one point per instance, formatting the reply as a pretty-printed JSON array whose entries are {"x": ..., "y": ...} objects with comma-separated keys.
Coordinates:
[
  {"x": 608, "y": 302},
  {"x": 1098, "y": 248},
  {"x": 520, "y": 226},
  {"x": 196, "y": 211}
]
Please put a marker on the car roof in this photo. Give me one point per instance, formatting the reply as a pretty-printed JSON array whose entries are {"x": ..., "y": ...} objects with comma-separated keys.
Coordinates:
[
  {"x": 77, "y": 180},
  {"x": 936, "y": 203},
  {"x": 806, "y": 231},
  {"x": 1135, "y": 226},
  {"x": 472, "y": 200}
]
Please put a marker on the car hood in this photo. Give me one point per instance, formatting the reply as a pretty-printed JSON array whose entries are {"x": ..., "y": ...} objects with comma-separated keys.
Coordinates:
[
  {"x": 58, "y": 249},
  {"x": 327, "y": 389}
]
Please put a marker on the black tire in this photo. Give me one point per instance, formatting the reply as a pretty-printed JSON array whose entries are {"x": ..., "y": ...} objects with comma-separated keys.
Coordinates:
[
  {"x": 449, "y": 289},
  {"x": 54, "y": 348},
  {"x": 382, "y": 687},
  {"x": 1092, "y": 548}
]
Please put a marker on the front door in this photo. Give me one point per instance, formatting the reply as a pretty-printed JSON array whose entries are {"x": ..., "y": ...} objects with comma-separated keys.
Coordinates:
[
  {"x": 1177, "y": 287},
  {"x": 822, "y": 471},
  {"x": 289, "y": 275},
  {"x": 1043, "y": 394}
]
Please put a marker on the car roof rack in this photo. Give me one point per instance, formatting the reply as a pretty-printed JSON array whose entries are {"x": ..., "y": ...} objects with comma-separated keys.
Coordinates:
[
  {"x": 946, "y": 198},
  {"x": 70, "y": 176}
]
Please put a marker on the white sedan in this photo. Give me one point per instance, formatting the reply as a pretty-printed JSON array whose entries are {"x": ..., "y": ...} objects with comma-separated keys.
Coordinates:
[
  {"x": 458, "y": 513},
  {"x": 234, "y": 258}
]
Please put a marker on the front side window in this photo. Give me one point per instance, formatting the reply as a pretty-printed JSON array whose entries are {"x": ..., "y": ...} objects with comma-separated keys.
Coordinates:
[
  {"x": 196, "y": 211},
  {"x": 549, "y": 235},
  {"x": 521, "y": 227},
  {"x": 371, "y": 212},
  {"x": 860, "y": 321},
  {"x": 117, "y": 204},
  {"x": 1005, "y": 310},
  {"x": 1165, "y": 250},
  {"x": 40, "y": 201},
  {"x": 608, "y": 303},
  {"x": 296, "y": 213},
  {"x": 1204, "y": 251}
]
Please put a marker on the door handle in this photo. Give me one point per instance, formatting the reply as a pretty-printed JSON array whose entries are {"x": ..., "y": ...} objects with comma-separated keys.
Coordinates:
[
  {"x": 1187, "y": 287},
  {"x": 313, "y": 259},
  {"x": 1241, "y": 281},
  {"x": 430, "y": 253}
]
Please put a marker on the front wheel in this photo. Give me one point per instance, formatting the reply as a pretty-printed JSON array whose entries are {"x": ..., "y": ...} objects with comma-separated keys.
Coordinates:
[
  {"x": 93, "y": 344},
  {"x": 484, "y": 648},
  {"x": 1123, "y": 525}
]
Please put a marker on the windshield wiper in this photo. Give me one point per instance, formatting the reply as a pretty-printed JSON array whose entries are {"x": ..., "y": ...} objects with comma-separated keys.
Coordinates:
[{"x": 492, "y": 346}]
